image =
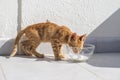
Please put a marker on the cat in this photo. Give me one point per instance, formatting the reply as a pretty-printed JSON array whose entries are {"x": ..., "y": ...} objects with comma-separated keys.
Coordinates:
[{"x": 47, "y": 32}]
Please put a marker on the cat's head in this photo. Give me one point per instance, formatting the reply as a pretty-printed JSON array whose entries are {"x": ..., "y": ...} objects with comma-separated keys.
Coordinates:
[{"x": 76, "y": 42}]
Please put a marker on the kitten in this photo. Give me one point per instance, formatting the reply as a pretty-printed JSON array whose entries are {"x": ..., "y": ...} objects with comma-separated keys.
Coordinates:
[{"x": 47, "y": 32}]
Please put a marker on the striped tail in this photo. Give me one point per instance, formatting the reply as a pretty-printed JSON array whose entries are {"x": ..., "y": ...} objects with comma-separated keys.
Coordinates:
[{"x": 14, "y": 51}]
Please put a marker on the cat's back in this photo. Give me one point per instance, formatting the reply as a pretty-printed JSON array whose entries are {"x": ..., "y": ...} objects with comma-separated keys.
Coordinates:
[
  {"x": 45, "y": 30},
  {"x": 42, "y": 26},
  {"x": 48, "y": 30}
]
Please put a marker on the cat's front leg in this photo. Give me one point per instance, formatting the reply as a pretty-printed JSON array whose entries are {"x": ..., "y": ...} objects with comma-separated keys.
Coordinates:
[{"x": 56, "y": 46}]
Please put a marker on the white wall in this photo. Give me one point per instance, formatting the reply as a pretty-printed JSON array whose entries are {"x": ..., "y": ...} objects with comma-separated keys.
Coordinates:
[
  {"x": 8, "y": 24},
  {"x": 81, "y": 16},
  {"x": 8, "y": 18}
]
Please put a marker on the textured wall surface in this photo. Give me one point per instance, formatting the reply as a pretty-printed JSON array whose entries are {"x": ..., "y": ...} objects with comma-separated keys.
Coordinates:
[
  {"x": 8, "y": 24},
  {"x": 98, "y": 18},
  {"x": 82, "y": 16},
  {"x": 8, "y": 18}
]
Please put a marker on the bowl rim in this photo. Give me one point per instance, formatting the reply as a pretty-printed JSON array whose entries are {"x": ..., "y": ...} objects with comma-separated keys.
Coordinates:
[
  {"x": 89, "y": 46},
  {"x": 84, "y": 46}
]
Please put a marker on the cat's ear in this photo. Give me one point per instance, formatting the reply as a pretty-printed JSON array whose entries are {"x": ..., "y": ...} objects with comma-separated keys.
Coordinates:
[
  {"x": 73, "y": 37},
  {"x": 83, "y": 37}
]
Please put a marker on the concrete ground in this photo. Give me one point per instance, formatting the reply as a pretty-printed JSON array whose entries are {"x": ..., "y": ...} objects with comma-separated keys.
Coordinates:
[{"x": 101, "y": 66}]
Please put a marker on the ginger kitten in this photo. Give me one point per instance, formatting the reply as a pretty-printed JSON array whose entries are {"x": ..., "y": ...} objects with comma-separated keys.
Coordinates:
[{"x": 47, "y": 32}]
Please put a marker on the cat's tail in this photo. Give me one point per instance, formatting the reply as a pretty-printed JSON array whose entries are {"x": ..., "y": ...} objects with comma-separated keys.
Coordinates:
[{"x": 14, "y": 51}]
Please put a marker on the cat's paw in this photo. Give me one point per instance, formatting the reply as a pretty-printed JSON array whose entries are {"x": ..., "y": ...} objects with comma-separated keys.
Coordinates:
[
  {"x": 61, "y": 55},
  {"x": 40, "y": 55},
  {"x": 57, "y": 58}
]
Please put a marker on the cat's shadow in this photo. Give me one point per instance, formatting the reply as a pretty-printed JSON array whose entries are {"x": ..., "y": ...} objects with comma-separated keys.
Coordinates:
[{"x": 49, "y": 59}]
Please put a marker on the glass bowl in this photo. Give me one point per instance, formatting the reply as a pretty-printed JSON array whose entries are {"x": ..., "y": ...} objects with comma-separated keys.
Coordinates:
[{"x": 83, "y": 55}]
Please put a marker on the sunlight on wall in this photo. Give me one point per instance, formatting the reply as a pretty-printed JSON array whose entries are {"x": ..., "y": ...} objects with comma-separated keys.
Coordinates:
[
  {"x": 82, "y": 16},
  {"x": 8, "y": 18}
]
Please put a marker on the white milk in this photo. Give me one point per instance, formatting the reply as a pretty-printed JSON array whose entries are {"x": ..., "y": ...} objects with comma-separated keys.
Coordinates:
[{"x": 78, "y": 57}]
